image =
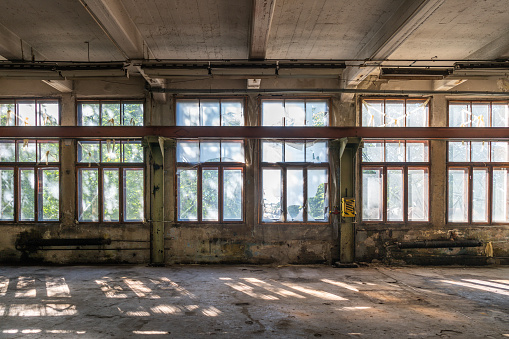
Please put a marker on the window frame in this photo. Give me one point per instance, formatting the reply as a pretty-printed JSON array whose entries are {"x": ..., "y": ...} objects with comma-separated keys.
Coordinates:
[
  {"x": 305, "y": 99},
  {"x": 242, "y": 99},
  {"x": 37, "y": 103},
  {"x": 426, "y": 100},
  {"x": 102, "y": 101},
  {"x": 470, "y": 104}
]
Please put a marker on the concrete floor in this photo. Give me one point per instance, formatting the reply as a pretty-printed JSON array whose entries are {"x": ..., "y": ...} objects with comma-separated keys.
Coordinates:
[{"x": 253, "y": 302}]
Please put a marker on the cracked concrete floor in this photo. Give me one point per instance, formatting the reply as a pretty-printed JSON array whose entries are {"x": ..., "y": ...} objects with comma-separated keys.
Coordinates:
[{"x": 253, "y": 302}]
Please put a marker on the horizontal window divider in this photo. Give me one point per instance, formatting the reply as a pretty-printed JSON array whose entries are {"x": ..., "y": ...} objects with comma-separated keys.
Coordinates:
[{"x": 256, "y": 132}]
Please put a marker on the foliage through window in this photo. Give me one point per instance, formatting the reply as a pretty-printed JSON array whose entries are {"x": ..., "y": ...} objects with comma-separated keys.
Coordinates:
[
  {"x": 395, "y": 180},
  {"x": 110, "y": 181},
  {"x": 395, "y": 112},
  {"x": 295, "y": 112},
  {"x": 110, "y": 113},
  {"x": 210, "y": 112},
  {"x": 29, "y": 180},
  {"x": 210, "y": 180},
  {"x": 295, "y": 181},
  {"x": 27, "y": 112}
]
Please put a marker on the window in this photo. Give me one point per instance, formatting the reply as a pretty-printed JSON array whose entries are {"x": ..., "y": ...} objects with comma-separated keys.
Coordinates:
[
  {"x": 29, "y": 180},
  {"x": 110, "y": 113},
  {"x": 395, "y": 112},
  {"x": 478, "y": 182},
  {"x": 295, "y": 181},
  {"x": 478, "y": 114},
  {"x": 110, "y": 181},
  {"x": 295, "y": 112},
  {"x": 210, "y": 112},
  {"x": 395, "y": 179},
  {"x": 210, "y": 180},
  {"x": 26, "y": 112}
]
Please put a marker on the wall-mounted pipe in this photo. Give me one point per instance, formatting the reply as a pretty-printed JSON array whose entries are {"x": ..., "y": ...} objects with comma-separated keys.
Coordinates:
[{"x": 440, "y": 244}]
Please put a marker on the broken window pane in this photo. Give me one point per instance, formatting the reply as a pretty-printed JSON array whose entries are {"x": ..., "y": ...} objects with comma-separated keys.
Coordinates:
[
  {"x": 111, "y": 201},
  {"x": 459, "y": 151},
  {"x": 188, "y": 151},
  {"x": 372, "y": 194},
  {"x": 110, "y": 151},
  {"x": 133, "y": 114},
  {"x": 232, "y": 113},
  {"x": 372, "y": 113},
  {"x": 417, "y": 113},
  {"x": 459, "y": 114},
  {"x": 6, "y": 194},
  {"x": 232, "y": 151},
  {"x": 500, "y": 151},
  {"x": 133, "y": 151},
  {"x": 317, "y": 186},
  {"x": 481, "y": 114},
  {"x": 317, "y": 151},
  {"x": 48, "y": 151},
  {"x": 88, "y": 151},
  {"x": 210, "y": 151},
  {"x": 48, "y": 113},
  {"x": 110, "y": 114},
  {"x": 272, "y": 151},
  {"x": 188, "y": 113},
  {"x": 458, "y": 195},
  {"x": 7, "y": 113},
  {"x": 209, "y": 111},
  {"x": 480, "y": 151},
  {"x": 7, "y": 151},
  {"x": 210, "y": 195},
  {"x": 500, "y": 201},
  {"x": 395, "y": 113},
  {"x": 295, "y": 113},
  {"x": 90, "y": 113},
  {"x": 187, "y": 184},
  {"x": 418, "y": 195},
  {"x": 417, "y": 151},
  {"x": 134, "y": 195},
  {"x": 271, "y": 188},
  {"x": 317, "y": 113},
  {"x": 373, "y": 151},
  {"x": 480, "y": 195},
  {"x": 27, "y": 194},
  {"x": 26, "y": 113},
  {"x": 49, "y": 192},
  {"x": 294, "y": 151},
  {"x": 395, "y": 194},
  {"x": 27, "y": 151},
  {"x": 294, "y": 194},
  {"x": 232, "y": 194},
  {"x": 500, "y": 115},
  {"x": 395, "y": 151},
  {"x": 88, "y": 202},
  {"x": 273, "y": 113}
]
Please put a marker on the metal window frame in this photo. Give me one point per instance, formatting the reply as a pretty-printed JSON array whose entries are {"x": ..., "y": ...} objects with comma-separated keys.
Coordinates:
[
  {"x": 242, "y": 99},
  {"x": 37, "y": 103},
  {"x": 385, "y": 99},
  {"x": 305, "y": 99},
  {"x": 100, "y": 102},
  {"x": 470, "y": 104}
]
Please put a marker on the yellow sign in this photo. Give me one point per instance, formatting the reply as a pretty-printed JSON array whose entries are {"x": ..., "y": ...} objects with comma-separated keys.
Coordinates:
[{"x": 348, "y": 207}]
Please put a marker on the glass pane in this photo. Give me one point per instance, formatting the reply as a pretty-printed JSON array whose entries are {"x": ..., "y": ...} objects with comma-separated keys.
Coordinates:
[
  {"x": 294, "y": 194},
  {"x": 317, "y": 113},
  {"x": 232, "y": 191},
  {"x": 395, "y": 194},
  {"x": 372, "y": 194},
  {"x": 133, "y": 114},
  {"x": 27, "y": 151},
  {"x": 187, "y": 184},
  {"x": 294, "y": 151},
  {"x": 111, "y": 114},
  {"x": 6, "y": 194},
  {"x": 418, "y": 199},
  {"x": 7, "y": 113},
  {"x": 48, "y": 113},
  {"x": 210, "y": 195},
  {"x": 416, "y": 151},
  {"x": 188, "y": 151},
  {"x": 88, "y": 151},
  {"x": 111, "y": 201},
  {"x": 26, "y": 194},
  {"x": 89, "y": 114},
  {"x": 372, "y": 113},
  {"x": 49, "y": 191},
  {"x": 500, "y": 151},
  {"x": 88, "y": 202},
  {"x": 395, "y": 113},
  {"x": 209, "y": 110},
  {"x": 295, "y": 113},
  {"x": 272, "y": 151},
  {"x": 480, "y": 114},
  {"x": 232, "y": 151},
  {"x": 133, "y": 152},
  {"x": 459, "y": 114},
  {"x": 480, "y": 151},
  {"x": 373, "y": 151},
  {"x": 318, "y": 195},
  {"x": 7, "y": 151},
  {"x": 134, "y": 195},
  {"x": 500, "y": 202},
  {"x": 26, "y": 113},
  {"x": 480, "y": 195},
  {"x": 317, "y": 151},
  {"x": 110, "y": 151},
  {"x": 500, "y": 115},
  {"x": 48, "y": 151},
  {"x": 417, "y": 113},
  {"x": 232, "y": 113},
  {"x": 458, "y": 195},
  {"x": 271, "y": 187},
  {"x": 395, "y": 151},
  {"x": 459, "y": 151},
  {"x": 273, "y": 113},
  {"x": 188, "y": 113},
  {"x": 210, "y": 151}
]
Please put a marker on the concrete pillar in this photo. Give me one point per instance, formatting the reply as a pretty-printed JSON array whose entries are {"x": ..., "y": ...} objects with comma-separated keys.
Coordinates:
[
  {"x": 438, "y": 168},
  {"x": 156, "y": 199},
  {"x": 67, "y": 162}
]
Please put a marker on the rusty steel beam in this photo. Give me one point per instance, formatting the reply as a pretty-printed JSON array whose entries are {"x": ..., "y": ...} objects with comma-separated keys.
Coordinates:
[{"x": 257, "y": 132}]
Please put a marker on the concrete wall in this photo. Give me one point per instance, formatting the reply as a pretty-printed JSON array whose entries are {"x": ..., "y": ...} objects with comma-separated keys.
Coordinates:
[{"x": 252, "y": 241}]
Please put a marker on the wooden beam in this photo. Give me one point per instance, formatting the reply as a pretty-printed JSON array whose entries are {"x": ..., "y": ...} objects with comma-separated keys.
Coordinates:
[{"x": 260, "y": 28}]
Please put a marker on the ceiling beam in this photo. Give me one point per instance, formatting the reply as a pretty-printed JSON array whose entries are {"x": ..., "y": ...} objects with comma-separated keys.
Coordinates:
[
  {"x": 445, "y": 84},
  {"x": 407, "y": 18},
  {"x": 495, "y": 49},
  {"x": 64, "y": 86},
  {"x": 261, "y": 20},
  {"x": 13, "y": 48}
]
